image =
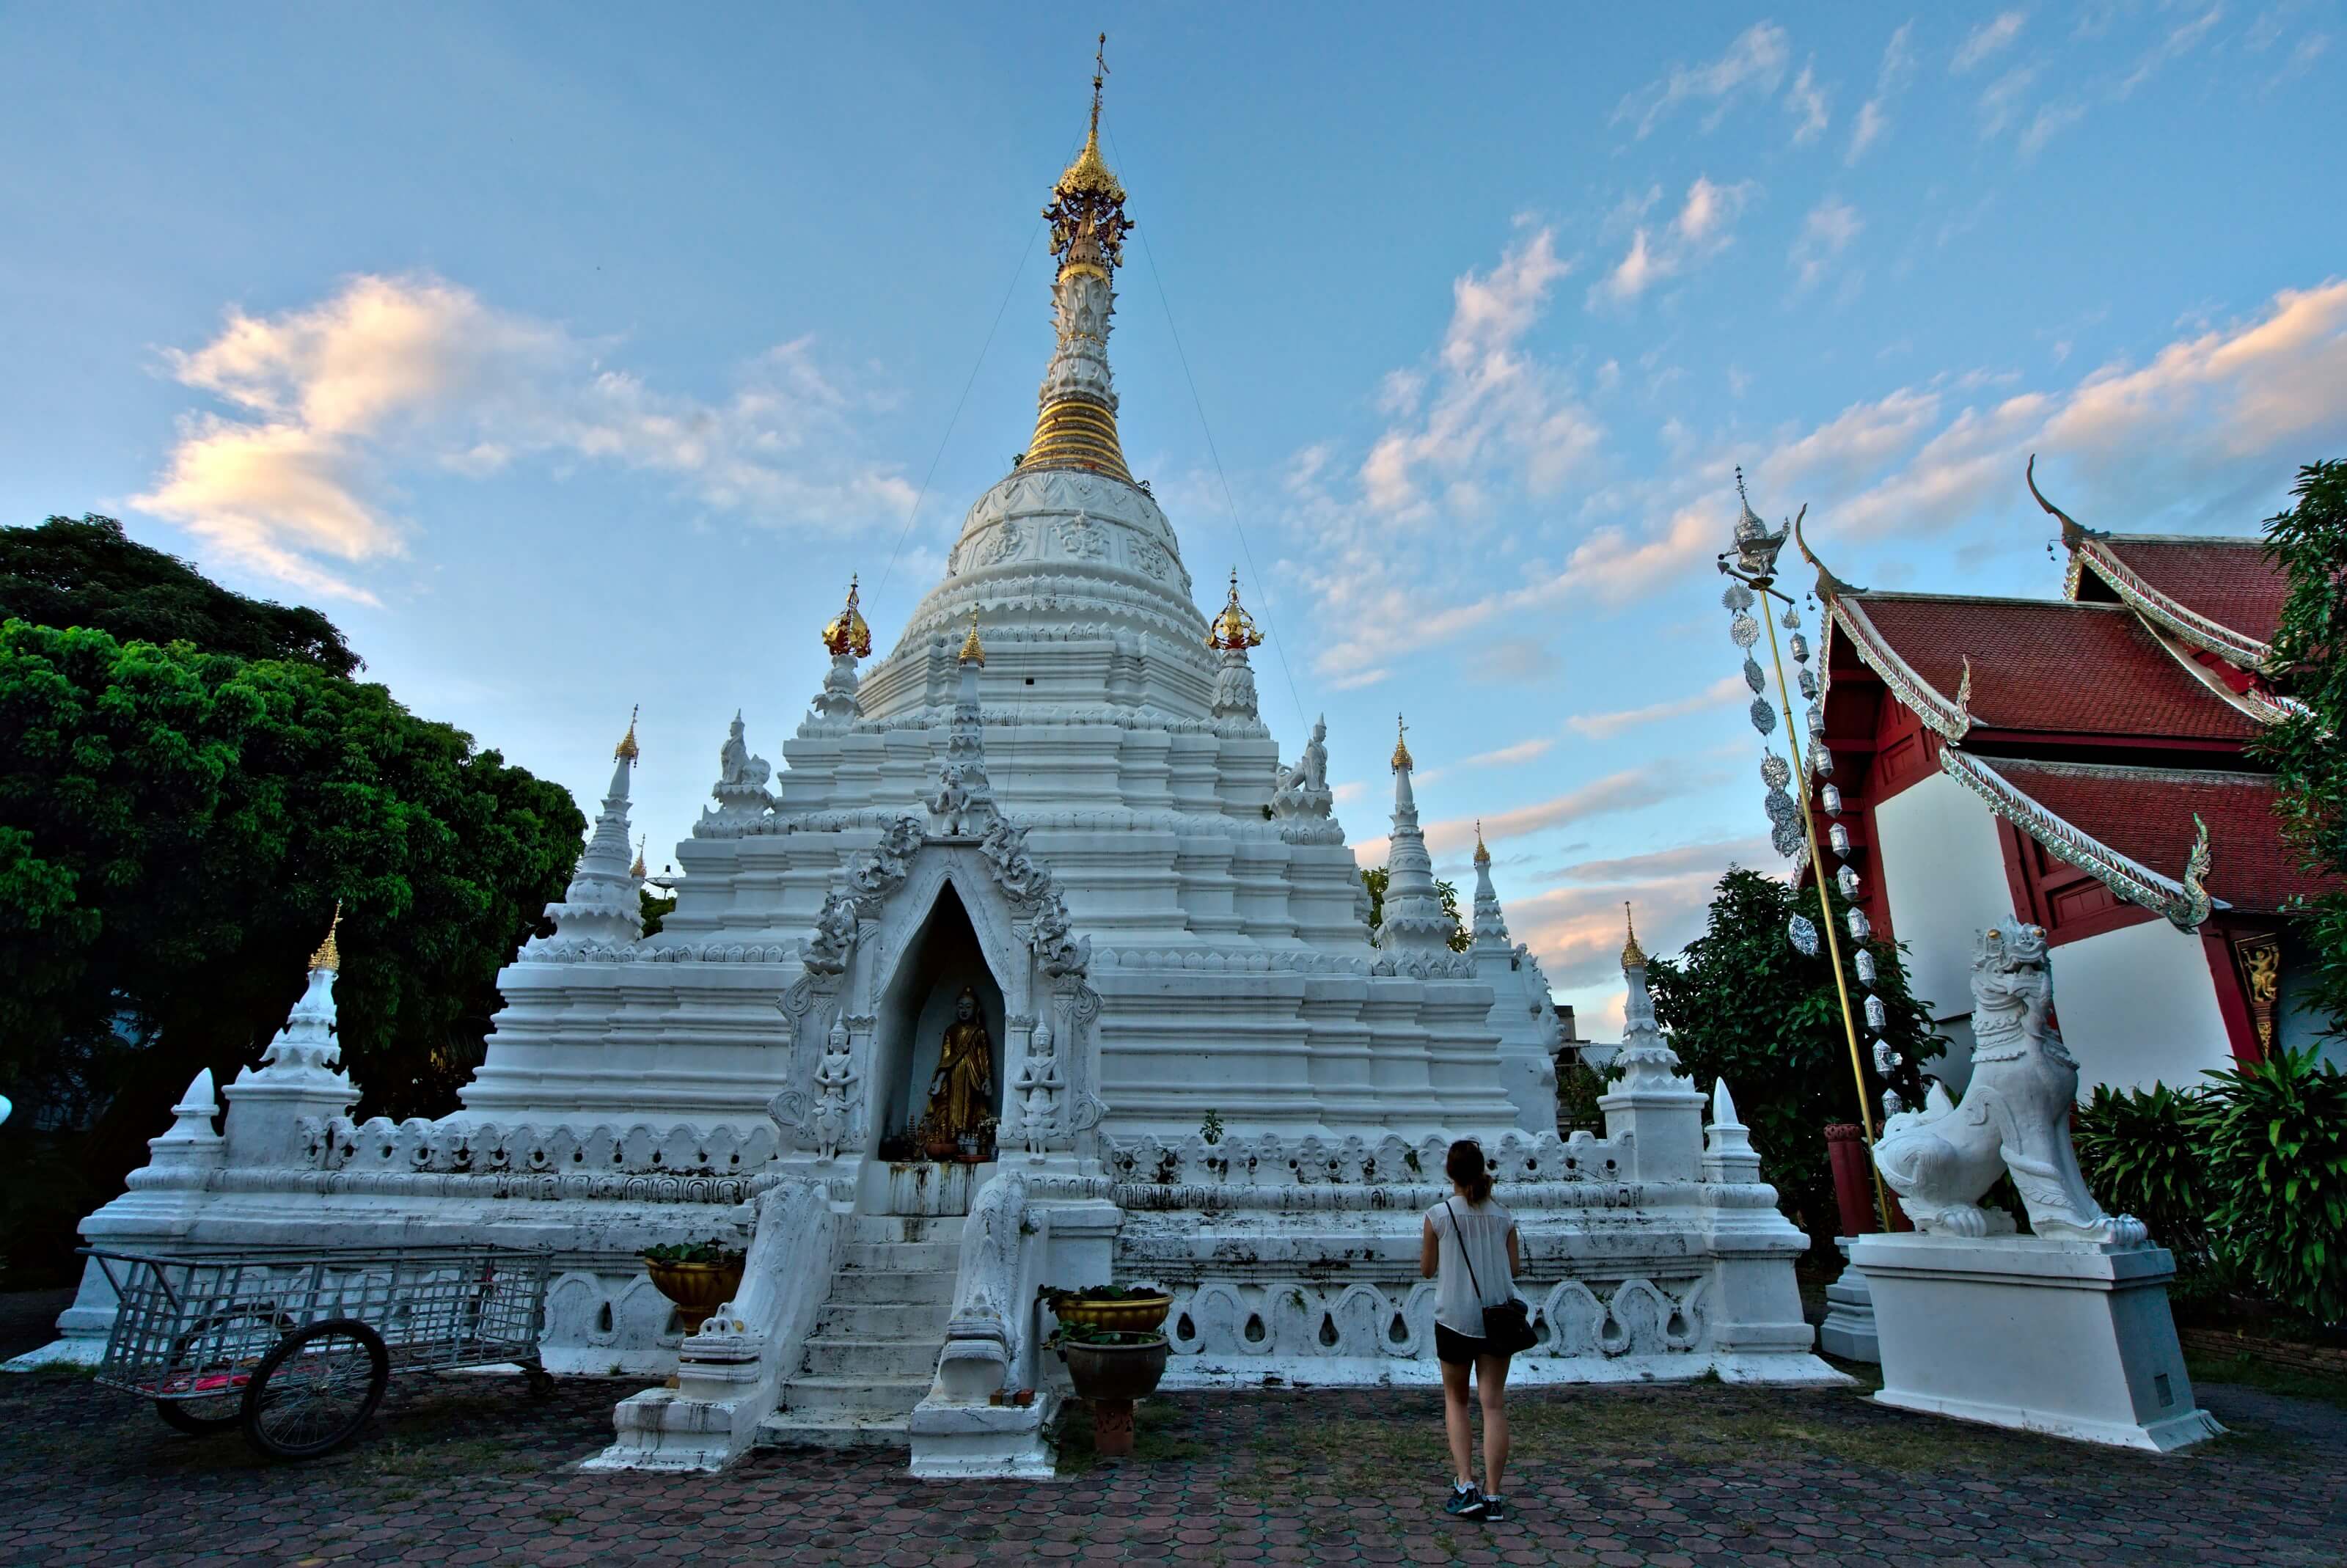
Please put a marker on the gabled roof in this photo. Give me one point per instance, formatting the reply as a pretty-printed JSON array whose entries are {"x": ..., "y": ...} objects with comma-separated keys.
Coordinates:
[
  {"x": 2138, "y": 830},
  {"x": 2220, "y": 593},
  {"x": 2035, "y": 666}
]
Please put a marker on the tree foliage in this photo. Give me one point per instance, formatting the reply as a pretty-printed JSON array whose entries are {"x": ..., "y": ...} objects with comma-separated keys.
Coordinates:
[
  {"x": 90, "y": 574},
  {"x": 177, "y": 827},
  {"x": 1374, "y": 880},
  {"x": 1742, "y": 1002},
  {"x": 2308, "y": 752}
]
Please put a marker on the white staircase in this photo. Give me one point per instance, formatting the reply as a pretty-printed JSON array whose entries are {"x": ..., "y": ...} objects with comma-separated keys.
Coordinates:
[{"x": 874, "y": 1349}]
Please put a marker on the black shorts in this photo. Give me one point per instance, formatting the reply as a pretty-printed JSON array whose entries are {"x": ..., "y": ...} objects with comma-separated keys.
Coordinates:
[{"x": 1461, "y": 1349}]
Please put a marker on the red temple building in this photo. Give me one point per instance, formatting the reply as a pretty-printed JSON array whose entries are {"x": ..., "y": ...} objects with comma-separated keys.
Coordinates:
[{"x": 2082, "y": 763}]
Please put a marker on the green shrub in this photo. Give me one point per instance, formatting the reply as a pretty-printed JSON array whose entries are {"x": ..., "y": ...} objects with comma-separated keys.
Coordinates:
[
  {"x": 2276, "y": 1143},
  {"x": 2141, "y": 1150}
]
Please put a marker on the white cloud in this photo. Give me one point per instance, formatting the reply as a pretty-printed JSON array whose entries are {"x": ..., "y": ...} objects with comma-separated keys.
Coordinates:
[
  {"x": 1999, "y": 101},
  {"x": 1703, "y": 227},
  {"x": 1754, "y": 64},
  {"x": 1986, "y": 39},
  {"x": 1602, "y": 726},
  {"x": 2050, "y": 121},
  {"x": 2177, "y": 43},
  {"x": 1504, "y": 757},
  {"x": 1873, "y": 116},
  {"x": 330, "y": 403},
  {"x": 1825, "y": 234},
  {"x": 1806, "y": 103},
  {"x": 1630, "y": 790}
]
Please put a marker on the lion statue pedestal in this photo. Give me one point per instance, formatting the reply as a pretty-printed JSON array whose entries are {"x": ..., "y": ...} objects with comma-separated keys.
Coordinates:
[{"x": 2065, "y": 1331}]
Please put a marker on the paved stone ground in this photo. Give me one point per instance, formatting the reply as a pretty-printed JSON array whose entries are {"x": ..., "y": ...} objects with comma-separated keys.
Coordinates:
[{"x": 472, "y": 1471}]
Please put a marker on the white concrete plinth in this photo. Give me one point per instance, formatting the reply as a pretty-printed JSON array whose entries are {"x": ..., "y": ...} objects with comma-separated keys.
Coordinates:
[
  {"x": 1848, "y": 1331},
  {"x": 2071, "y": 1338},
  {"x": 932, "y": 1187}
]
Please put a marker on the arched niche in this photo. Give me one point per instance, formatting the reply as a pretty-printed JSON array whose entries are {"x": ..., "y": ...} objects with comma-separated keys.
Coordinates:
[{"x": 915, "y": 1003}]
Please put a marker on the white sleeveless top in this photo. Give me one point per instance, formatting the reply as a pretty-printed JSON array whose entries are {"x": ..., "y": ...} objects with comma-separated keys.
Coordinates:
[{"x": 1484, "y": 1227}]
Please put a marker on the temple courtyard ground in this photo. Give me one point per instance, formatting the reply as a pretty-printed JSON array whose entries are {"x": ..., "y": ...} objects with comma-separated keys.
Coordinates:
[{"x": 472, "y": 1471}]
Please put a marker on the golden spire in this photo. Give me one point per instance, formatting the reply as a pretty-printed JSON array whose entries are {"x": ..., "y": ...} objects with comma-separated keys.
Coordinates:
[
  {"x": 973, "y": 652},
  {"x": 329, "y": 956},
  {"x": 1401, "y": 746},
  {"x": 626, "y": 750},
  {"x": 1234, "y": 630},
  {"x": 846, "y": 633},
  {"x": 1482, "y": 856},
  {"x": 1088, "y": 174},
  {"x": 1076, "y": 424},
  {"x": 637, "y": 870},
  {"x": 1634, "y": 957}
]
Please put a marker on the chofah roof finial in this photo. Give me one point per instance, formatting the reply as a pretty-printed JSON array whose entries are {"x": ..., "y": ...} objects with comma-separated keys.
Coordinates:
[
  {"x": 626, "y": 750},
  {"x": 328, "y": 955},
  {"x": 1482, "y": 856},
  {"x": 1401, "y": 758},
  {"x": 846, "y": 632},
  {"x": 1634, "y": 957},
  {"x": 1234, "y": 630},
  {"x": 973, "y": 652}
]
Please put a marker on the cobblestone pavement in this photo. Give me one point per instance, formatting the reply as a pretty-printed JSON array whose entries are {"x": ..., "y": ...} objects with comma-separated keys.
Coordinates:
[{"x": 471, "y": 1470}]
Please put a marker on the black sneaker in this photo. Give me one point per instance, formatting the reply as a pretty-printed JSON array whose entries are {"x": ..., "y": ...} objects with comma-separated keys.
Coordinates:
[
  {"x": 1495, "y": 1508},
  {"x": 1464, "y": 1503}
]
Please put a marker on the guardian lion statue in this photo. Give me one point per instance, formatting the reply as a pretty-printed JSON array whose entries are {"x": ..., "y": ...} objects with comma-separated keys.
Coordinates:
[{"x": 2016, "y": 1114}]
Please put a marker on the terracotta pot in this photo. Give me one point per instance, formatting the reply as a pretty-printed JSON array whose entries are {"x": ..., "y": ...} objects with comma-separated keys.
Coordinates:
[
  {"x": 941, "y": 1148},
  {"x": 1116, "y": 1372},
  {"x": 697, "y": 1289},
  {"x": 1138, "y": 1315}
]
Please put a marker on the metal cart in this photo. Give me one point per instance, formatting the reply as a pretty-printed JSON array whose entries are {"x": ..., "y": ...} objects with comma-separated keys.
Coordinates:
[{"x": 296, "y": 1346}]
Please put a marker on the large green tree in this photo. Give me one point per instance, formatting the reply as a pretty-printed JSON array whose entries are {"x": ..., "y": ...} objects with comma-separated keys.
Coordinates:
[
  {"x": 1744, "y": 1003},
  {"x": 89, "y": 573},
  {"x": 2309, "y": 750},
  {"x": 177, "y": 827}
]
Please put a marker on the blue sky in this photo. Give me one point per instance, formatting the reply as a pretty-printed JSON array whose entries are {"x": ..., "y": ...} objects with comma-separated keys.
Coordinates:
[{"x": 572, "y": 356}]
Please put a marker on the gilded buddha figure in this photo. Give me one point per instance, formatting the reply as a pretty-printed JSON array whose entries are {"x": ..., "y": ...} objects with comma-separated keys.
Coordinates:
[{"x": 961, "y": 1093}]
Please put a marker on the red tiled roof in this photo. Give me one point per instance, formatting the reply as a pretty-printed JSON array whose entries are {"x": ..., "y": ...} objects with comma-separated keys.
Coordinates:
[
  {"x": 2051, "y": 666},
  {"x": 2230, "y": 580},
  {"x": 2146, "y": 813}
]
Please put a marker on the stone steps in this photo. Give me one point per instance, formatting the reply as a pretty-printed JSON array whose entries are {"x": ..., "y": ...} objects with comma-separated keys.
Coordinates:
[{"x": 874, "y": 1349}]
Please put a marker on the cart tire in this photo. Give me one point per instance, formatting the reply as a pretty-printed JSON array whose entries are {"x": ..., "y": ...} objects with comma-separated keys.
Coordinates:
[
  {"x": 312, "y": 1393},
  {"x": 181, "y": 1414},
  {"x": 221, "y": 1412}
]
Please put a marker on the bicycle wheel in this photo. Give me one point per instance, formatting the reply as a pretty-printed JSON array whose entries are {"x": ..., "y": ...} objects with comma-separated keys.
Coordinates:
[
  {"x": 219, "y": 1352},
  {"x": 312, "y": 1393}
]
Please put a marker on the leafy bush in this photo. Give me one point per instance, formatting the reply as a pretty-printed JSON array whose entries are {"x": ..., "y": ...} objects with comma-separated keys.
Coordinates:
[
  {"x": 709, "y": 1251},
  {"x": 2276, "y": 1142},
  {"x": 2142, "y": 1151}
]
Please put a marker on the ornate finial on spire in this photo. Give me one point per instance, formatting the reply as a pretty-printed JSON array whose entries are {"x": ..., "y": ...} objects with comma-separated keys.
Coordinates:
[
  {"x": 1755, "y": 547},
  {"x": 1234, "y": 630},
  {"x": 637, "y": 870},
  {"x": 973, "y": 652},
  {"x": 1087, "y": 210},
  {"x": 1482, "y": 856},
  {"x": 1401, "y": 758},
  {"x": 626, "y": 750},
  {"x": 1634, "y": 957},
  {"x": 846, "y": 633},
  {"x": 329, "y": 956}
]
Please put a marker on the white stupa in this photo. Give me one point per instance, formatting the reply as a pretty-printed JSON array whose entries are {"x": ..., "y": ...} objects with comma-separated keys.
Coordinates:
[{"x": 1052, "y": 804}]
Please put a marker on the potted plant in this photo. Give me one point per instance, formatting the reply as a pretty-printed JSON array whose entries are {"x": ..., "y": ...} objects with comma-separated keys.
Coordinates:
[
  {"x": 1130, "y": 1309},
  {"x": 1111, "y": 1367},
  {"x": 699, "y": 1276}
]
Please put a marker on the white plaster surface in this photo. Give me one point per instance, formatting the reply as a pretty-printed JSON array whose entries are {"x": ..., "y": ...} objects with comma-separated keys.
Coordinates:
[
  {"x": 2139, "y": 1007},
  {"x": 1944, "y": 871}
]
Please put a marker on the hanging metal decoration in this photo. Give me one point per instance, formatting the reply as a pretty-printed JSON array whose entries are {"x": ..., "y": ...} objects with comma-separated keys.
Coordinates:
[{"x": 1750, "y": 567}]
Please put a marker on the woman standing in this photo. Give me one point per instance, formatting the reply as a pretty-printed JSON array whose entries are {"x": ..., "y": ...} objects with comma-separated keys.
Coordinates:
[{"x": 1469, "y": 1248}]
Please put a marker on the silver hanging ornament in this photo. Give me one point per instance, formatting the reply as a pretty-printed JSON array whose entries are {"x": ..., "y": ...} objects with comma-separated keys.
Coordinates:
[
  {"x": 1788, "y": 838},
  {"x": 1780, "y": 808},
  {"x": 1791, "y": 620},
  {"x": 1839, "y": 837},
  {"x": 1764, "y": 717},
  {"x": 1752, "y": 675},
  {"x": 1864, "y": 961},
  {"x": 1885, "y": 1062},
  {"x": 1800, "y": 649},
  {"x": 1847, "y": 880},
  {"x": 1859, "y": 928},
  {"x": 1878, "y": 1017},
  {"x": 1744, "y": 631},
  {"x": 1808, "y": 681},
  {"x": 1817, "y": 720},
  {"x": 1829, "y": 796},
  {"x": 1737, "y": 597},
  {"x": 1804, "y": 936},
  {"x": 1891, "y": 1103},
  {"x": 1775, "y": 771},
  {"x": 1821, "y": 762}
]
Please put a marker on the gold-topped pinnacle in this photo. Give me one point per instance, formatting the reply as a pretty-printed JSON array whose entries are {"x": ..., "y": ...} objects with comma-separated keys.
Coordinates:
[
  {"x": 637, "y": 870},
  {"x": 1482, "y": 856},
  {"x": 1401, "y": 758},
  {"x": 329, "y": 956},
  {"x": 626, "y": 750},
  {"x": 973, "y": 652},
  {"x": 846, "y": 632},
  {"x": 1087, "y": 210},
  {"x": 1634, "y": 957},
  {"x": 1234, "y": 631}
]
